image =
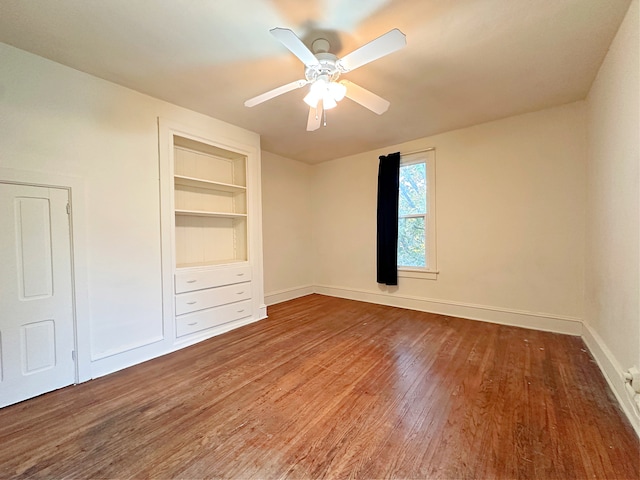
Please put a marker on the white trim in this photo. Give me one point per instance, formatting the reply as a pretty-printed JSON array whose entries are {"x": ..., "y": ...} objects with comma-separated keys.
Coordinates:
[
  {"x": 287, "y": 294},
  {"x": 406, "y": 272},
  {"x": 126, "y": 359},
  {"x": 423, "y": 150},
  {"x": 126, "y": 348},
  {"x": 518, "y": 318},
  {"x": 213, "y": 332},
  {"x": 129, "y": 358},
  {"x": 428, "y": 157},
  {"x": 612, "y": 372}
]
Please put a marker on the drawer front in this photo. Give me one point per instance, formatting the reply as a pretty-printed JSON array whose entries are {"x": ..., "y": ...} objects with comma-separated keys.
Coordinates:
[
  {"x": 212, "y": 297},
  {"x": 216, "y": 277},
  {"x": 194, "y": 322}
]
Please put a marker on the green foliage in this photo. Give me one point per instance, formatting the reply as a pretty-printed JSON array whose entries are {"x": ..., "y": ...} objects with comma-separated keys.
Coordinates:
[
  {"x": 412, "y": 201},
  {"x": 413, "y": 190}
]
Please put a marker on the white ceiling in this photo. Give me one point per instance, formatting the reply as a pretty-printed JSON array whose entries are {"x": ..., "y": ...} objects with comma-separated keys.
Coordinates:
[{"x": 466, "y": 61}]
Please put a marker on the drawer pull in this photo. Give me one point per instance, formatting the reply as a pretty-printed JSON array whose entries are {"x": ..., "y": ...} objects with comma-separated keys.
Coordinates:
[
  {"x": 192, "y": 324},
  {"x": 240, "y": 293},
  {"x": 240, "y": 311},
  {"x": 192, "y": 303},
  {"x": 239, "y": 274},
  {"x": 192, "y": 281}
]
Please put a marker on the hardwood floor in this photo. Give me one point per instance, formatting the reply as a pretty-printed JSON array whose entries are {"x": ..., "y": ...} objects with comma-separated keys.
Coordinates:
[{"x": 332, "y": 388}]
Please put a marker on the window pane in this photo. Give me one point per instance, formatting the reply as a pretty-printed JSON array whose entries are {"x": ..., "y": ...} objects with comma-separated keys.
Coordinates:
[
  {"x": 411, "y": 235},
  {"x": 413, "y": 189}
]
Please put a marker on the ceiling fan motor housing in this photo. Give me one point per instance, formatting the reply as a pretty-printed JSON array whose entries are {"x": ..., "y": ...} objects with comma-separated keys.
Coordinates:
[{"x": 326, "y": 68}]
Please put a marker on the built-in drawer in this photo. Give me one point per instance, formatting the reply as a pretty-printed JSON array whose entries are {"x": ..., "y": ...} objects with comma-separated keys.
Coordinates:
[
  {"x": 190, "y": 280},
  {"x": 212, "y": 297},
  {"x": 211, "y": 317}
]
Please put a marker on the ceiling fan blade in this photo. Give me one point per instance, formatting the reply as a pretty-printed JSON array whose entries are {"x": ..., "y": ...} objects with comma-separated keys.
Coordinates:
[
  {"x": 384, "y": 45},
  {"x": 295, "y": 45},
  {"x": 252, "y": 102},
  {"x": 365, "y": 98},
  {"x": 315, "y": 118}
]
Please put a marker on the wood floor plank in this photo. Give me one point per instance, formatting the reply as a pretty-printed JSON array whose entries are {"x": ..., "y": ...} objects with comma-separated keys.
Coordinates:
[{"x": 332, "y": 388}]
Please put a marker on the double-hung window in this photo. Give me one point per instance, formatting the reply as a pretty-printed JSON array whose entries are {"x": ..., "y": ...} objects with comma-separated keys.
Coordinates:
[{"x": 416, "y": 216}]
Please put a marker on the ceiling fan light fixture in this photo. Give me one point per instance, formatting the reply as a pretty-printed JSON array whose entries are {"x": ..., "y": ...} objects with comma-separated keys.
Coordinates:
[
  {"x": 337, "y": 90},
  {"x": 328, "y": 101},
  {"x": 317, "y": 91},
  {"x": 312, "y": 99},
  {"x": 329, "y": 92}
]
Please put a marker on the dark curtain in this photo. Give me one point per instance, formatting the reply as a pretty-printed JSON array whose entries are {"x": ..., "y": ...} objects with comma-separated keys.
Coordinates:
[{"x": 387, "y": 247}]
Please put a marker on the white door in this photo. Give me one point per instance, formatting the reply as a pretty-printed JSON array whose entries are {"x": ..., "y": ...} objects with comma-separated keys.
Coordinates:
[{"x": 36, "y": 314}]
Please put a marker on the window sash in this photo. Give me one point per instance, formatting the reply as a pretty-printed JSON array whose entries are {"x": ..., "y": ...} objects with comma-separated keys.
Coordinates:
[
  {"x": 411, "y": 241},
  {"x": 430, "y": 270}
]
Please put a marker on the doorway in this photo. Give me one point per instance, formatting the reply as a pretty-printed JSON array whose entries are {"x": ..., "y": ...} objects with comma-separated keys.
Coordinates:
[{"x": 37, "y": 335}]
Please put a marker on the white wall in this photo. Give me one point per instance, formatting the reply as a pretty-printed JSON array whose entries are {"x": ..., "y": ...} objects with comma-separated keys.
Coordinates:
[
  {"x": 510, "y": 223},
  {"x": 286, "y": 207},
  {"x": 56, "y": 121},
  {"x": 613, "y": 202}
]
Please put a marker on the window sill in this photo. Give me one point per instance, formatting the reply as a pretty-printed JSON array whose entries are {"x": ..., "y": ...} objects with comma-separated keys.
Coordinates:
[{"x": 417, "y": 273}]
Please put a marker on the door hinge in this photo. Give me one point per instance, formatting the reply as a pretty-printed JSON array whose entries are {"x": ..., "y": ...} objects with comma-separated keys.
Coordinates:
[
  {"x": 73, "y": 355},
  {"x": 68, "y": 209}
]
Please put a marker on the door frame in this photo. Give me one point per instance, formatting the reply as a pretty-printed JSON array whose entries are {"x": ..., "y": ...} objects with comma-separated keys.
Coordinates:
[{"x": 77, "y": 226}]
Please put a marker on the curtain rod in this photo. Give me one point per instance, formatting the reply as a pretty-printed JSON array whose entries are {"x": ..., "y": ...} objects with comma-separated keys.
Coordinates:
[{"x": 418, "y": 151}]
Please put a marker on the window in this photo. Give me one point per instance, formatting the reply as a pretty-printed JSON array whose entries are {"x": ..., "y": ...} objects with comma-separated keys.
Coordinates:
[{"x": 416, "y": 216}]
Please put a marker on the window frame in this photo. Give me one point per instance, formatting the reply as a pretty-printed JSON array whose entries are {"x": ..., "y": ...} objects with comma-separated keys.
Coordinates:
[{"x": 429, "y": 272}]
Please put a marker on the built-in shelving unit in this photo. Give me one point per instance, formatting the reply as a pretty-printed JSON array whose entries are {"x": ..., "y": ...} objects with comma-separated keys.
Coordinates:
[
  {"x": 210, "y": 204},
  {"x": 211, "y": 199}
]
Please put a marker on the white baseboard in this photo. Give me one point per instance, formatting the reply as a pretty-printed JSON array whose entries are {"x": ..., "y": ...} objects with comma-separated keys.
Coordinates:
[
  {"x": 288, "y": 294},
  {"x": 613, "y": 373},
  {"x": 503, "y": 316},
  {"x": 126, "y": 359}
]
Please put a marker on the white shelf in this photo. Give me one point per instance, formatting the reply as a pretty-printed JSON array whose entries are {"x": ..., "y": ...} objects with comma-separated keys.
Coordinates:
[
  {"x": 201, "y": 213},
  {"x": 181, "y": 266},
  {"x": 208, "y": 184}
]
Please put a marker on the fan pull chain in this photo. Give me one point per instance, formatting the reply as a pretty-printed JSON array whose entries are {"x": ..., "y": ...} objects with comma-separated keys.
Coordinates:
[{"x": 324, "y": 114}]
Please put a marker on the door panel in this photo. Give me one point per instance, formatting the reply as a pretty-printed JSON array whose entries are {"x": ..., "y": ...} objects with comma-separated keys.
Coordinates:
[
  {"x": 36, "y": 310},
  {"x": 33, "y": 242},
  {"x": 38, "y": 347}
]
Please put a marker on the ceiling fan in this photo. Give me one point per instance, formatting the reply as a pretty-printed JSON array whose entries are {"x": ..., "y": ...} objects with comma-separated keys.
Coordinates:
[{"x": 322, "y": 70}]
